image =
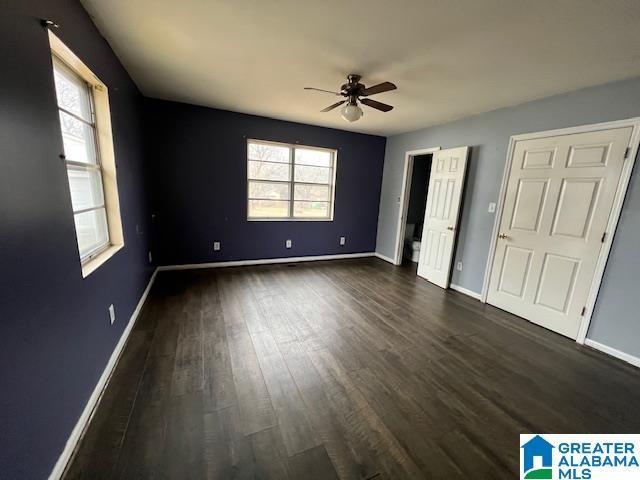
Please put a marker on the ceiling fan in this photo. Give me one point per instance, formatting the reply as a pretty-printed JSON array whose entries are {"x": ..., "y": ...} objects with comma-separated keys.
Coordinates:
[{"x": 352, "y": 91}]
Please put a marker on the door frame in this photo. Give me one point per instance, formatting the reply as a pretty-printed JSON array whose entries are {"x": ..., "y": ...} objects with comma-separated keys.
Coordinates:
[
  {"x": 404, "y": 198},
  {"x": 614, "y": 216}
]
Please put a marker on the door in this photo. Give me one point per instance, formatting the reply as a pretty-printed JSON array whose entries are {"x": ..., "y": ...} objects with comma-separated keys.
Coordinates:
[
  {"x": 559, "y": 196},
  {"x": 448, "y": 168}
]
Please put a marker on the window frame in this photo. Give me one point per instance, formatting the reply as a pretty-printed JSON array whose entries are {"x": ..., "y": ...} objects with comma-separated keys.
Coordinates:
[
  {"x": 292, "y": 183},
  {"x": 103, "y": 151},
  {"x": 85, "y": 166}
]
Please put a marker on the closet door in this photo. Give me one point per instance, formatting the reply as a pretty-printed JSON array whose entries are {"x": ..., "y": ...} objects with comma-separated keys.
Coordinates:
[{"x": 559, "y": 197}]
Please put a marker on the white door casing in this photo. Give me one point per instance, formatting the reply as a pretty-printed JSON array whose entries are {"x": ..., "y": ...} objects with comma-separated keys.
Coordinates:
[
  {"x": 403, "y": 199},
  {"x": 446, "y": 183},
  {"x": 559, "y": 197}
]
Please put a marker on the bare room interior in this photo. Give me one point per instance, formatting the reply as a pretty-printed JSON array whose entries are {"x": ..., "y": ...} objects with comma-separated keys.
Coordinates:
[{"x": 318, "y": 240}]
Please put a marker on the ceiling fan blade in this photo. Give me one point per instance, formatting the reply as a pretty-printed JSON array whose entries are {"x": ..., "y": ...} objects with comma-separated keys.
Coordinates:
[
  {"x": 331, "y": 107},
  {"x": 377, "y": 105},
  {"x": 381, "y": 87},
  {"x": 321, "y": 90}
]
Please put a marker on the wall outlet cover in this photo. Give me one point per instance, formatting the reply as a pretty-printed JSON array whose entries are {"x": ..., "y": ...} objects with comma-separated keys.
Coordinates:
[
  {"x": 287, "y": 244},
  {"x": 343, "y": 240},
  {"x": 216, "y": 246},
  {"x": 150, "y": 257},
  {"x": 112, "y": 313},
  {"x": 459, "y": 266},
  {"x": 492, "y": 207}
]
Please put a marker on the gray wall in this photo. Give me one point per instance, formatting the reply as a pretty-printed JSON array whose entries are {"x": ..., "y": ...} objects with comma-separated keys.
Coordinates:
[{"x": 615, "y": 322}]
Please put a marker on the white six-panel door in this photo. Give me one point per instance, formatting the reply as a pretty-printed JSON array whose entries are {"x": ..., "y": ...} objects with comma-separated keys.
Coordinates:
[
  {"x": 448, "y": 168},
  {"x": 558, "y": 200}
]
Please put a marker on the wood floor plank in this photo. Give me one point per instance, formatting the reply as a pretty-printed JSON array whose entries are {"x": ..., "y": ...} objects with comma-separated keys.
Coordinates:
[
  {"x": 313, "y": 464},
  {"x": 270, "y": 455},
  {"x": 227, "y": 453},
  {"x": 349, "y": 462},
  {"x": 293, "y": 419},
  {"x": 188, "y": 372},
  {"x": 254, "y": 402},
  {"x": 142, "y": 453},
  {"x": 218, "y": 386},
  {"x": 103, "y": 441},
  {"x": 183, "y": 454}
]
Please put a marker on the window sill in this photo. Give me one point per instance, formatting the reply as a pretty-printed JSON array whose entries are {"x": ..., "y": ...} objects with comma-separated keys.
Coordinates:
[{"x": 93, "y": 264}]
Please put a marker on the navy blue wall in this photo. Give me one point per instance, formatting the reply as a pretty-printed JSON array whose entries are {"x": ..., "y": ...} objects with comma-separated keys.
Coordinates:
[
  {"x": 198, "y": 158},
  {"x": 55, "y": 335}
]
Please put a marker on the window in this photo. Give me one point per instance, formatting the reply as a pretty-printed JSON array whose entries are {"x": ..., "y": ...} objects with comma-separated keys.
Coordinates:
[
  {"x": 289, "y": 182},
  {"x": 85, "y": 124}
]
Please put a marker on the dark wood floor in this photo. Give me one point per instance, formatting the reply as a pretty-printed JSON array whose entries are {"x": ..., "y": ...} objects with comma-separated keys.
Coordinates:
[{"x": 348, "y": 369}]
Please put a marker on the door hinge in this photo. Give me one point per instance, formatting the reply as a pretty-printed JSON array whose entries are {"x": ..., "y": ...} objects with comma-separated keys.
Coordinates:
[
  {"x": 603, "y": 238},
  {"x": 627, "y": 152},
  {"x": 584, "y": 310}
]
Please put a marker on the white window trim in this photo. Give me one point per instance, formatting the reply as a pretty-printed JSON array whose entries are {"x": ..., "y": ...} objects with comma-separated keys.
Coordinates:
[
  {"x": 292, "y": 182},
  {"x": 105, "y": 155}
]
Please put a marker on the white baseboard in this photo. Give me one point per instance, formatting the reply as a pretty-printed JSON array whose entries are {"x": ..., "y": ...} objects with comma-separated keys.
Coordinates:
[
  {"x": 635, "y": 361},
  {"x": 265, "y": 261},
  {"x": 94, "y": 400},
  {"x": 385, "y": 258},
  {"x": 465, "y": 291}
]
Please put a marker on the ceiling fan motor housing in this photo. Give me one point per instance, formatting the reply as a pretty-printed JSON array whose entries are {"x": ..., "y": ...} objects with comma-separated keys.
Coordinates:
[{"x": 353, "y": 87}]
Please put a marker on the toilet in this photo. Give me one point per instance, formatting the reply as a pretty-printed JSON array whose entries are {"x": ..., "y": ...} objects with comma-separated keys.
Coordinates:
[{"x": 411, "y": 244}]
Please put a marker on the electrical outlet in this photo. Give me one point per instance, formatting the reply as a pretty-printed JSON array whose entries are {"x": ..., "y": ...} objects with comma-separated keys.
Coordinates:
[
  {"x": 150, "y": 257},
  {"x": 287, "y": 244},
  {"x": 112, "y": 314},
  {"x": 343, "y": 240},
  {"x": 459, "y": 266},
  {"x": 216, "y": 246},
  {"x": 492, "y": 207}
]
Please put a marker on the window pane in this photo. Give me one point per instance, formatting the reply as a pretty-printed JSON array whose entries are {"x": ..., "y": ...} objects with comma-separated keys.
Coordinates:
[
  {"x": 270, "y": 153},
  {"x": 321, "y": 158},
  {"x": 269, "y": 171},
  {"x": 268, "y": 208},
  {"x": 312, "y": 174},
  {"x": 311, "y": 209},
  {"x": 269, "y": 191},
  {"x": 312, "y": 192},
  {"x": 72, "y": 92},
  {"x": 86, "y": 187},
  {"x": 77, "y": 136},
  {"x": 91, "y": 230}
]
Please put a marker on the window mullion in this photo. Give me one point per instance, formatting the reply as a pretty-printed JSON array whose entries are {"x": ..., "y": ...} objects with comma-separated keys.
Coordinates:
[
  {"x": 292, "y": 157},
  {"x": 260, "y": 180},
  {"x": 88, "y": 209},
  {"x": 76, "y": 116},
  {"x": 82, "y": 165}
]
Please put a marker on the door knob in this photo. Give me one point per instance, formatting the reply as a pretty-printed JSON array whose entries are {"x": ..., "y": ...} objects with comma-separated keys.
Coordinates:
[
  {"x": 503, "y": 235},
  {"x": 450, "y": 228}
]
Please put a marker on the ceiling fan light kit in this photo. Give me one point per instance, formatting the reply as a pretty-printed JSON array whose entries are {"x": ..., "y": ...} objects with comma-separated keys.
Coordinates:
[
  {"x": 351, "y": 113},
  {"x": 353, "y": 90}
]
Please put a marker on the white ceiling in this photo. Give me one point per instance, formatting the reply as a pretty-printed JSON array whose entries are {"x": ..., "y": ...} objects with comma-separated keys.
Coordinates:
[{"x": 449, "y": 58}]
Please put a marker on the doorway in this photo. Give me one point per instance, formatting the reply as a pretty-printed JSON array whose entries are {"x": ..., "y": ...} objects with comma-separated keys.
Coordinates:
[
  {"x": 424, "y": 160},
  {"x": 416, "y": 206}
]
